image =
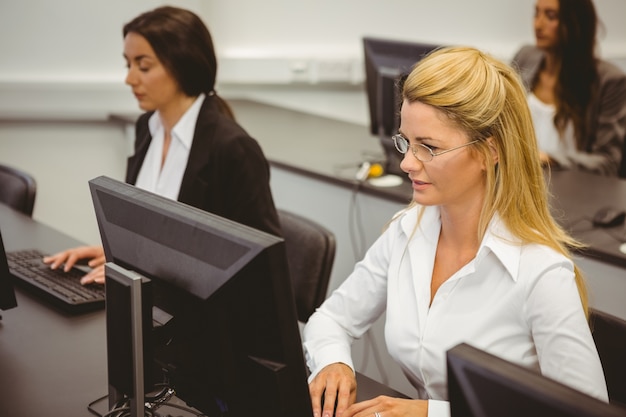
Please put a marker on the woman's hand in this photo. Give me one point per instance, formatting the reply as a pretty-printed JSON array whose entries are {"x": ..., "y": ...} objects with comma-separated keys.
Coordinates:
[
  {"x": 68, "y": 258},
  {"x": 335, "y": 386},
  {"x": 383, "y": 406},
  {"x": 96, "y": 275}
]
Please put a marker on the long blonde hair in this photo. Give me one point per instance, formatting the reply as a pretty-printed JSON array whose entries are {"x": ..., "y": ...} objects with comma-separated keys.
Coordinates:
[{"x": 486, "y": 98}]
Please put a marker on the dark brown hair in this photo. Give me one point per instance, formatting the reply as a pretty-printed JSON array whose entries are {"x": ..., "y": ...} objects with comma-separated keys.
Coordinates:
[
  {"x": 184, "y": 46},
  {"x": 578, "y": 75}
]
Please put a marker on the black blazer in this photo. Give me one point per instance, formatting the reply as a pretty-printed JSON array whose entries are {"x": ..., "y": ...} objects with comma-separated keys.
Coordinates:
[{"x": 226, "y": 174}]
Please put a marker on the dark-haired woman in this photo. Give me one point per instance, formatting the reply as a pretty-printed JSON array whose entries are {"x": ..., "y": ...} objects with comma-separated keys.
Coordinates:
[
  {"x": 577, "y": 100},
  {"x": 188, "y": 147}
]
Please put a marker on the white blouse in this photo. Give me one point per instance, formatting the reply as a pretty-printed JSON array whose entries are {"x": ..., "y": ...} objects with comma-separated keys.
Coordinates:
[
  {"x": 548, "y": 138},
  {"x": 166, "y": 180},
  {"x": 519, "y": 302}
]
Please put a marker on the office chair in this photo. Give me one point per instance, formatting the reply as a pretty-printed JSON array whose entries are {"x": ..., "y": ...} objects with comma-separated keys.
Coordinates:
[
  {"x": 310, "y": 255},
  {"x": 17, "y": 189},
  {"x": 609, "y": 334}
]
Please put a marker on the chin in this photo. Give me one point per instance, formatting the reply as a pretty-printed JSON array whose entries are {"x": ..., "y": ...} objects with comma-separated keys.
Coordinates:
[
  {"x": 545, "y": 45},
  {"x": 419, "y": 199},
  {"x": 146, "y": 107}
]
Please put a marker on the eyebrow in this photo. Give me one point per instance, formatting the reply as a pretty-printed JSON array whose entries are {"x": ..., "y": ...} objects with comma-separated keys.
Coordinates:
[
  {"x": 138, "y": 58},
  {"x": 418, "y": 138}
]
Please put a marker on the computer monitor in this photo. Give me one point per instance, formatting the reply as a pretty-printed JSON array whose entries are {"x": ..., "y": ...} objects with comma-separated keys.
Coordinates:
[
  {"x": 7, "y": 293},
  {"x": 387, "y": 63},
  {"x": 230, "y": 338},
  {"x": 483, "y": 385}
]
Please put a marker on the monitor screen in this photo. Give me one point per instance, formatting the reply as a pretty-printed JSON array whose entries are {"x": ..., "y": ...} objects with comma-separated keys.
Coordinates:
[
  {"x": 7, "y": 293},
  {"x": 387, "y": 63},
  {"x": 484, "y": 385},
  {"x": 224, "y": 326}
]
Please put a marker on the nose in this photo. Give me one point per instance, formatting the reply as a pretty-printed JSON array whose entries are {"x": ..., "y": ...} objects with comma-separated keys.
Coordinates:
[
  {"x": 131, "y": 78},
  {"x": 410, "y": 163},
  {"x": 538, "y": 21}
]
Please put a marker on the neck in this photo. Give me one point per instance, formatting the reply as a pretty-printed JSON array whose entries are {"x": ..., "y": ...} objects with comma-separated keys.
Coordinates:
[
  {"x": 551, "y": 63},
  {"x": 459, "y": 228},
  {"x": 171, "y": 114}
]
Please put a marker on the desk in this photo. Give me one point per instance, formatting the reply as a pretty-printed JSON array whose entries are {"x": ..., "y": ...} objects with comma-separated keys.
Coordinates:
[
  {"x": 576, "y": 197},
  {"x": 54, "y": 364}
]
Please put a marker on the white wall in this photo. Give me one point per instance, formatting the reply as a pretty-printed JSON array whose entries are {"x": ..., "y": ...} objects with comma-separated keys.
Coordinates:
[{"x": 81, "y": 39}]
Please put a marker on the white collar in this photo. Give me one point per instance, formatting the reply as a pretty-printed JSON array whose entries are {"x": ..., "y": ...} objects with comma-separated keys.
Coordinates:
[
  {"x": 184, "y": 129},
  {"x": 498, "y": 238}
]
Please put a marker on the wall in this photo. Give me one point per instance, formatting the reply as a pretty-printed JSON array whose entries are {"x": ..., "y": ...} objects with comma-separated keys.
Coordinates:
[
  {"x": 63, "y": 58},
  {"x": 78, "y": 40}
]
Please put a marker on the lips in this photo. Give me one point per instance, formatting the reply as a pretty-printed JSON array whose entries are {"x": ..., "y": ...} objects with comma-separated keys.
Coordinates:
[{"x": 420, "y": 185}]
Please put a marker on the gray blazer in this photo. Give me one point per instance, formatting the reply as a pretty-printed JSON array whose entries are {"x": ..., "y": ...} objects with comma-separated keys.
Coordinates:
[{"x": 607, "y": 112}]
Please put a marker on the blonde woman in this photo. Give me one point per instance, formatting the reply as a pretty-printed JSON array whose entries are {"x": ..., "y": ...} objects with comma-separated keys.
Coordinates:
[{"x": 476, "y": 257}]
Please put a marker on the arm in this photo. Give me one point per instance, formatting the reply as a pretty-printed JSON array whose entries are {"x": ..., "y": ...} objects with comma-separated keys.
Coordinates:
[
  {"x": 608, "y": 120},
  {"x": 252, "y": 201},
  {"x": 346, "y": 315},
  {"x": 561, "y": 334}
]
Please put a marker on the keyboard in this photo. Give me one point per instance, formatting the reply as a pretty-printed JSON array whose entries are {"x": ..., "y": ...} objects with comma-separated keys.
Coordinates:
[{"x": 58, "y": 287}]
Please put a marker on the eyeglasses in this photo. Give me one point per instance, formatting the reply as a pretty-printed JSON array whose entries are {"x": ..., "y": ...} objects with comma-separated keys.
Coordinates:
[{"x": 420, "y": 151}]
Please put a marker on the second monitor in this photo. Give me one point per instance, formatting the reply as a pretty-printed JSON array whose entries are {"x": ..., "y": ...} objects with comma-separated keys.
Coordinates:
[
  {"x": 229, "y": 343},
  {"x": 387, "y": 62}
]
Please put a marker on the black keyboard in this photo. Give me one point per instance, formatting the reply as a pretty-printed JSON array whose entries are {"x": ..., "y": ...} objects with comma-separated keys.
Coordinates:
[{"x": 61, "y": 288}]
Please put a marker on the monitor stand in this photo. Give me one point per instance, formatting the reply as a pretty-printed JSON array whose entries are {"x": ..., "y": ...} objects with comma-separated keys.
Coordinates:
[{"x": 125, "y": 344}]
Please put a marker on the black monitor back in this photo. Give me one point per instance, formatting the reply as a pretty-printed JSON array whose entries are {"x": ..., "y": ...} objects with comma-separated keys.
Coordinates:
[
  {"x": 387, "y": 63},
  {"x": 232, "y": 341},
  {"x": 7, "y": 293},
  {"x": 484, "y": 385}
]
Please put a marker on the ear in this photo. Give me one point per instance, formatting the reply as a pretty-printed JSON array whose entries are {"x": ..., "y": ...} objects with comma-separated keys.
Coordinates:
[{"x": 494, "y": 149}]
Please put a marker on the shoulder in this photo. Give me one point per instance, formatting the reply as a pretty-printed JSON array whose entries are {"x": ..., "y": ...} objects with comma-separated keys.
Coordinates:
[
  {"x": 528, "y": 55},
  {"x": 609, "y": 72},
  {"x": 524, "y": 261},
  {"x": 537, "y": 261},
  {"x": 527, "y": 62},
  {"x": 612, "y": 88},
  {"x": 221, "y": 130}
]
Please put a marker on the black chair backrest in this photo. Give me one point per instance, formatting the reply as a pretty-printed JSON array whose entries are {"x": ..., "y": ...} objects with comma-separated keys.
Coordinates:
[
  {"x": 17, "y": 189},
  {"x": 609, "y": 334},
  {"x": 310, "y": 255}
]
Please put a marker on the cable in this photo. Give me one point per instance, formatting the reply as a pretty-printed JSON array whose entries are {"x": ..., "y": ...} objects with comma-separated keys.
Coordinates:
[
  {"x": 91, "y": 404},
  {"x": 161, "y": 399},
  {"x": 355, "y": 228},
  {"x": 185, "y": 409},
  {"x": 358, "y": 241}
]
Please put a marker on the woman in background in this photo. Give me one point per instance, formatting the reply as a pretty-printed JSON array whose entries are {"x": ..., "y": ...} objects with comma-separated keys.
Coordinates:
[
  {"x": 188, "y": 147},
  {"x": 577, "y": 100},
  {"x": 475, "y": 258}
]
